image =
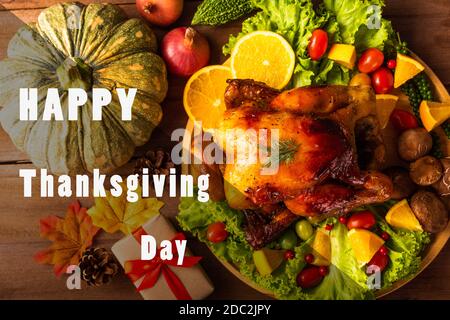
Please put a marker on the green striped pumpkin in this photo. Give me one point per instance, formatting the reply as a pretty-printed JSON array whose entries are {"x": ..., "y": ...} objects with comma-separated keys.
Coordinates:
[{"x": 104, "y": 49}]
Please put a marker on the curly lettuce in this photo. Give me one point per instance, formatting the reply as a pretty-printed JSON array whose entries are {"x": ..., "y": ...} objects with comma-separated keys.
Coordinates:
[
  {"x": 404, "y": 247},
  {"x": 345, "y": 21}
]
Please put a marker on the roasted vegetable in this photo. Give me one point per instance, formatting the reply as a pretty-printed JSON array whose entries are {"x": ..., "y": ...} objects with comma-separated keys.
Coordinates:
[
  {"x": 106, "y": 51},
  {"x": 442, "y": 187},
  {"x": 430, "y": 211},
  {"x": 404, "y": 187},
  {"x": 217, "y": 12},
  {"x": 426, "y": 171},
  {"x": 414, "y": 143}
]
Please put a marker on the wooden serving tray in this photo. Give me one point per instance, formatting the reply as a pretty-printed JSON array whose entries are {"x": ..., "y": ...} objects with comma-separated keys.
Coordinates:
[{"x": 439, "y": 240}]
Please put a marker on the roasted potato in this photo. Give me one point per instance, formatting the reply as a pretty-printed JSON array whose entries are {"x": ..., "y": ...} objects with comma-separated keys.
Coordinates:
[
  {"x": 442, "y": 187},
  {"x": 414, "y": 143},
  {"x": 426, "y": 171},
  {"x": 430, "y": 211},
  {"x": 404, "y": 187}
]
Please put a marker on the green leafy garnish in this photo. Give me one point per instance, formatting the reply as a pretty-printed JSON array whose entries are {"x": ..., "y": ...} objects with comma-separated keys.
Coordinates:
[{"x": 286, "y": 152}]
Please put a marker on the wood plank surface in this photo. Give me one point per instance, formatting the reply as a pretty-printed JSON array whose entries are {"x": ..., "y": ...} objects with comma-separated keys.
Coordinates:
[{"x": 425, "y": 25}]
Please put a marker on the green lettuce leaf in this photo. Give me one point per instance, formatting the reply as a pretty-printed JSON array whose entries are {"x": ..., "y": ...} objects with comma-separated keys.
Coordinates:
[
  {"x": 295, "y": 20},
  {"x": 353, "y": 18},
  {"x": 404, "y": 247},
  {"x": 346, "y": 280}
]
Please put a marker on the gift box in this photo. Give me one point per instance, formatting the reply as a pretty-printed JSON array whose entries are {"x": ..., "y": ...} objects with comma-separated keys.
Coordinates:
[{"x": 157, "y": 279}]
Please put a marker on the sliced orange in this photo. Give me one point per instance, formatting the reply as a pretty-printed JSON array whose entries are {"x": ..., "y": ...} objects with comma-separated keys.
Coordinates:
[
  {"x": 401, "y": 216},
  {"x": 364, "y": 244},
  {"x": 344, "y": 54},
  {"x": 263, "y": 56},
  {"x": 203, "y": 97},
  {"x": 385, "y": 105},
  {"x": 406, "y": 69},
  {"x": 322, "y": 249},
  {"x": 433, "y": 114}
]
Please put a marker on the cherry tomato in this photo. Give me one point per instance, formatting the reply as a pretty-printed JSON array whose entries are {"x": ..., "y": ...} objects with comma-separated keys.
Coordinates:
[
  {"x": 392, "y": 64},
  {"x": 385, "y": 236},
  {"x": 361, "y": 220},
  {"x": 383, "y": 81},
  {"x": 360, "y": 79},
  {"x": 323, "y": 270},
  {"x": 343, "y": 220},
  {"x": 384, "y": 251},
  {"x": 309, "y": 277},
  {"x": 289, "y": 254},
  {"x": 216, "y": 232},
  {"x": 370, "y": 60},
  {"x": 318, "y": 44},
  {"x": 403, "y": 120},
  {"x": 379, "y": 260},
  {"x": 309, "y": 258}
]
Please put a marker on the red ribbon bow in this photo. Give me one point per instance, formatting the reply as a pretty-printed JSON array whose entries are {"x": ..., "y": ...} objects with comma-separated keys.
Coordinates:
[{"x": 152, "y": 269}]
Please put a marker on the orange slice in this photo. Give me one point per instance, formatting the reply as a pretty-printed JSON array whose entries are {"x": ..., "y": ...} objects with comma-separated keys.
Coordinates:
[
  {"x": 203, "y": 97},
  {"x": 385, "y": 105},
  {"x": 401, "y": 216},
  {"x": 433, "y": 114},
  {"x": 406, "y": 69},
  {"x": 321, "y": 249},
  {"x": 364, "y": 244},
  {"x": 263, "y": 56}
]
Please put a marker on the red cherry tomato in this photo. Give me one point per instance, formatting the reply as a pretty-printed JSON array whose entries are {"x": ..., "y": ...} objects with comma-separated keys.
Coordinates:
[
  {"x": 309, "y": 258},
  {"x": 385, "y": 236},
  {"x": 289, "y": 254},
  {"x": 403, "y": 120},
  {"x": 309, "y": 277},
  {"x": 216, "y": 232},
  {"x": 384, "y": 251},
  {"x": 370, "y": 60},
  {"x": 361, "y": 220},
  {"x": 343, "y": 220},
  {"x": 379, "y": 260},
  {"x": 323, "y": 270},
  {"x": 392, "y": 64},
  {"x": 318, "y": 44},
  {"x": 383, "y": 81}
]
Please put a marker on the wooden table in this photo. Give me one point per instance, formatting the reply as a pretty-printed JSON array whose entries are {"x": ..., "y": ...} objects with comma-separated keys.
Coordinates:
[{"x": 425, "y": 25}]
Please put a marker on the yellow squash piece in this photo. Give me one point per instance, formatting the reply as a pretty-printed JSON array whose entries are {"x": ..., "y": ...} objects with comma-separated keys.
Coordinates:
[
  {"x": 267, "y": 260},
  {"x": 344, "y": 54},
  {"x": 203, "y": 97},
  {"x": 406, "y": 69},
  {"x": 364, "y": 244},
  {"x": 401, "y": 216},
  {"x": 321, "y": 249},
  {"x": 263, "y": 56},
  {"x": 385, "y": 105},
  {"x": 433, "y": 114}
]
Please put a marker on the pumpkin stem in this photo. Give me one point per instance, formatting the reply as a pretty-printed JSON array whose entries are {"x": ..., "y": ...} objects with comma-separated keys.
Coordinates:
[{"x": 74, "y": 73}]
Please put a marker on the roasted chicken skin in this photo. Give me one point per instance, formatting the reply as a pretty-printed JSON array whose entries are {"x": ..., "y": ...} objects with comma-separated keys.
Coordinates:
[{"x": 320, "y": 174}]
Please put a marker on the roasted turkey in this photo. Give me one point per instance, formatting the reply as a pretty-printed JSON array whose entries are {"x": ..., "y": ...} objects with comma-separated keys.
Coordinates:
[{"x": 318, "y": 172}]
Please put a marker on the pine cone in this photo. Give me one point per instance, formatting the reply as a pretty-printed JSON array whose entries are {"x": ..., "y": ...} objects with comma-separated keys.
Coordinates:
[
  {"x": 98, "y": 266},
  {"x": 157, "y": 161}
]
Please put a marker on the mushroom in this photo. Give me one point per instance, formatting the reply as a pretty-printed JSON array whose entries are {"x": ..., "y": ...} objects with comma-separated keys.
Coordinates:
[
  {"x": 426, "y": 171},
  {"x": 430, "y": 211},
  {"x": 442, "y": 187},
  {"x": 404, "y": 187},
  {"x": 414, "y": 143}
]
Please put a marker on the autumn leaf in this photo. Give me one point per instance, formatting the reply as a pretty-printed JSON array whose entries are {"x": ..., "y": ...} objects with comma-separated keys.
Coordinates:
[
  {"x": 70, "y": 235},
  {"x": 116, "y": 213}
]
